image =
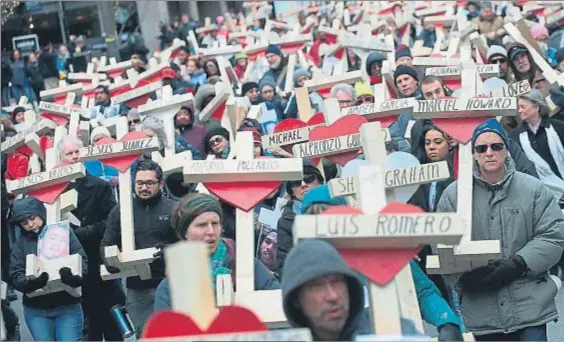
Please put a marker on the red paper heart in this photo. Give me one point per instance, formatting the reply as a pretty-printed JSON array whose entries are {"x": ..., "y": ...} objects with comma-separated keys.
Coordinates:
[
  {"x": 460, "y": 129},
  {"x": 230, "y": 319},
  {"x": 115, "y": 73},
  {"x": 378, "y": 265},
  {"x": 60, "y": 120},
  {"x": 218, "y": 114},
  {"x": 290, "y": 124},
  {"x": 244, "y": 196},
  {"x": 325, "y": 93},
  {"x": 124, "y": 162},
  {"x": 50, "y": 194},
  {"x": 386, "y": 121},
  {"x": 291, "y": 48},
  {"x": 349, "y": 124}
]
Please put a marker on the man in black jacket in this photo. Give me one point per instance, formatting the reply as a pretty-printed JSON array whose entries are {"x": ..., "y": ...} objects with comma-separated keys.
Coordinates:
[
  {"x": 48, "y": 67},
  {"x": 95, "y": 201},
  {"x": 152, "y": 227}
]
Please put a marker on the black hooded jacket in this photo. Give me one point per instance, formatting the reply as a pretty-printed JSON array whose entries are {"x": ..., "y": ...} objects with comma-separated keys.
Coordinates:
[{"x": 27, "y": 244}]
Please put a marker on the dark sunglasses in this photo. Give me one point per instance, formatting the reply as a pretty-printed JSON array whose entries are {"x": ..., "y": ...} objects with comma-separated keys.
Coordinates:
[
  {"x": 215, "y": 140},
  {"x": 496, "y": 147},
  {"x": 136, "y": 121},
  {"x": 498, "y": 61},
  {"x": 308, "y": 179}
]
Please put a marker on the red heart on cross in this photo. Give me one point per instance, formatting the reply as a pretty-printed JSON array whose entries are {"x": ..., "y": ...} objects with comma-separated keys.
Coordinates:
[
  {"x": 244, "y": 196},
  {"x": 461, "y": 129},
  {"x": 124, "y": 162},
  {"x": 378, "y": 265},
  {"x": 290, "y": 124},
  {"x": 51, "y": 193},
  {"x": 60, "y": 120},
  {"x": 230, "y": 319},
  {"x": 349, "y": 124}
]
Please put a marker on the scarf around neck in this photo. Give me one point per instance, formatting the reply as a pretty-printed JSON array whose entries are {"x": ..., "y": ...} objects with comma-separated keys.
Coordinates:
[{"x": 219, "y": 261}]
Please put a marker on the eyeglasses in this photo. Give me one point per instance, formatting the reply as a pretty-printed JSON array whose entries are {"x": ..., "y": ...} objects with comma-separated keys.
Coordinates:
[
  {"x": 496, "y": 147},
  {"x": 136, "y": 121},
  {"x": 149, "y": 184},
  {"x": 215, "y": 140},
  {"x": 498, "y": 61}
]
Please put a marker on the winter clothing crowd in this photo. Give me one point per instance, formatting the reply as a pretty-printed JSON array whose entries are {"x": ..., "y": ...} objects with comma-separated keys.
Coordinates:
[{"x": 518, "y": 188}]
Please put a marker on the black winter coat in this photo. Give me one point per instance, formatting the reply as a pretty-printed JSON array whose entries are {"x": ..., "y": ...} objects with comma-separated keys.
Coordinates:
[
  {"x": 95, "y": 201},
  {"x": 285, "y": 236},
  {"x": 152, "y": 228}
]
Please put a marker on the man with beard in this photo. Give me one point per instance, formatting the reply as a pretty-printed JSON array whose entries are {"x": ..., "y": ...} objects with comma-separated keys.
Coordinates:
[
  {"x": 498, "y": 55},
  {"x": 278, "y": 65},
  {"x": 152, "y": 228},
  {"x": 95, "y": 201},
  {"x": 521, "y": 63},
  {"x": 267, "y": 249},
  {"x": 103, "y": 105},
  {"x": 192, "y": 132}
]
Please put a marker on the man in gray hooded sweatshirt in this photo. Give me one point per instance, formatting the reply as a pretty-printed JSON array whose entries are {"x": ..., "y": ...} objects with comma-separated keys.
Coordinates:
[{"x": 322, "y": 293}]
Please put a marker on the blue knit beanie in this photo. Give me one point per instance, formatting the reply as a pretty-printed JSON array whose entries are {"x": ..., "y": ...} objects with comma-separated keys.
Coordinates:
[
  {"x": 405, "y": 70},
  {"x": 490, "y": 125},
  {"x": 320, "y": 194},
  {"x": 274, "y": 49},
  {"x": 402, "y": 51}
]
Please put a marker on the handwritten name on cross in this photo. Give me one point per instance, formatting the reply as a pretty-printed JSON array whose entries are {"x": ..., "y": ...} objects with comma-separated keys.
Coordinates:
[{"x": 374, "y": 230}]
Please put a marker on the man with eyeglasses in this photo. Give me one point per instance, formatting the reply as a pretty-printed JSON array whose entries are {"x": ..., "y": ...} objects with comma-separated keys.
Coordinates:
[
  {"x": 511, "y": 298},
  {"x": 345, "y": 94},
  {"x": 498, "y": 55},
  {"x": 152, "y": 227},
  {"x": 94, "y": 203}
]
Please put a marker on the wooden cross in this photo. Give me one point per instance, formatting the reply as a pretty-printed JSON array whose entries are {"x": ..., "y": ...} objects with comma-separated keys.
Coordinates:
[
  {"x": 59, "y": 94},
  {"x": 114, "y": 69},
  {"x": 468, "y": 254},
  {"x": 165, "y": 109},
  {"x": 191, "y": 293},
  {"x": 130, "y": 261},
  {"x": 86, "y": 77},
  {"x": 242, "y": 170},
  {"x": 379, "y": 231},
  {"x": 381, "y": 109},
  {"x": 23, "y": 102},
  {"x": 61, "y": 205}
]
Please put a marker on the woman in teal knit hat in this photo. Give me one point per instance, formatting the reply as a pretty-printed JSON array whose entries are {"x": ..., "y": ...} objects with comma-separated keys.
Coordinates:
[
  {"x": 434, "y": 309},
  {"x": 198, "y": 217}
]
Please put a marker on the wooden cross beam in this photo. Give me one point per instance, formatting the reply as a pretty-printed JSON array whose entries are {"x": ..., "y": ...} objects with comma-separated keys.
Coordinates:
[
  {"x": 130, "y": 261},
  {"x": 86, "y": 77},
  {"x": 137, "y": 92},
  {"x": 245, "y": 169},
  {"x": 165, "y": 109},
  {"x": 62, "y": 91},
  {"x": 114, "y": 69},
  {"x": 191, "y": 293},
  {"x": 374, "y": 111},
  {"x": 222, "y": 93},
  {"x": 374, "y": 230},
  {"x": 41, "y": 127},
  {"x": 221, "y": 51},
  {"x": 23, "y": 102},
  {"x": 395, "y": 178},
  {"x": 454, "y": 72},
  {"x": 329, "y": 81}
]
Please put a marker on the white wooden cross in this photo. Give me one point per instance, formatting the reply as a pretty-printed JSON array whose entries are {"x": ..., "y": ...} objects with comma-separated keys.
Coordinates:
[
  {"x": 23, "y": 102},
  {"x": 61, "y": 207},
  {"x": 130, "y": 261},
  {"x": 86, "y": 77},
  {"x": 191, "y": 293},
  {"x": 241, "y": 170},
  {"x": 222, "y": 93},
  {"x": 468, "y": 254},
  {"x": 379, "y": 231},
  {"x": 165, "y": 109},
  {"x": 62, "y": 91},
  {"x": 115, "y": 70}
]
